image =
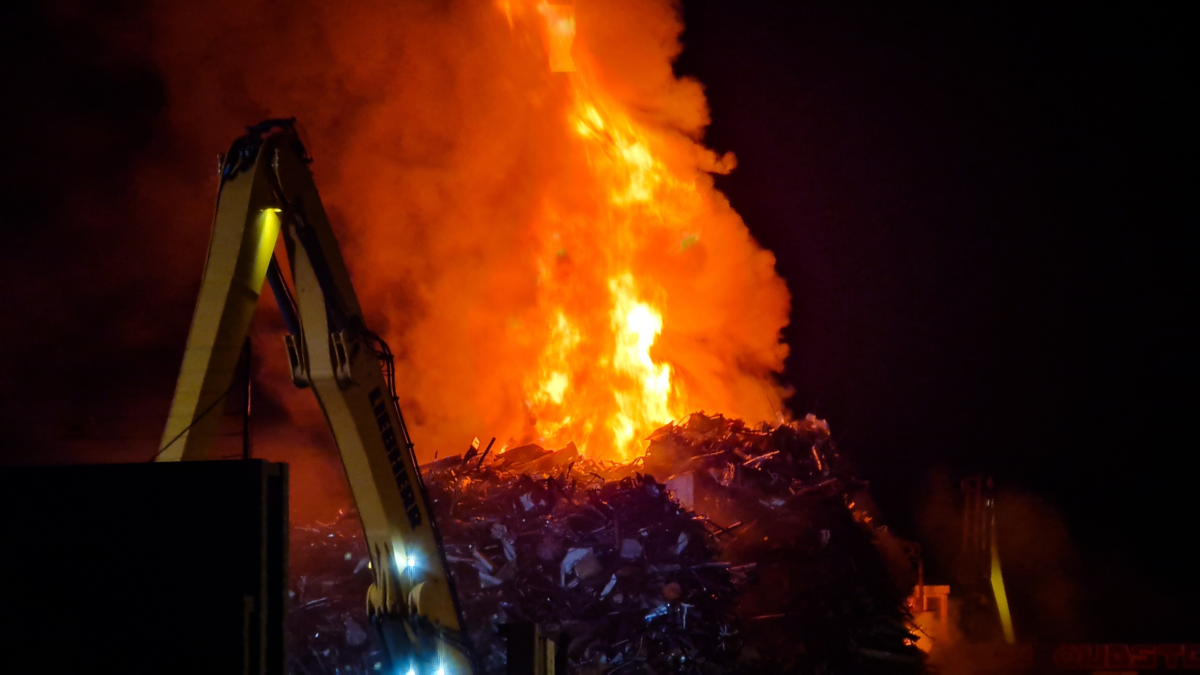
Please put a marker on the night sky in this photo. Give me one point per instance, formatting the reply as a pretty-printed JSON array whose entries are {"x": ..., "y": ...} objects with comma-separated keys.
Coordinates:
[{"x": 981, "y": 214}]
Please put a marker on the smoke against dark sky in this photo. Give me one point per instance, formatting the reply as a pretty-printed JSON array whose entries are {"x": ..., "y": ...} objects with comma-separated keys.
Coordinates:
[{"x": 982, "y": 216}]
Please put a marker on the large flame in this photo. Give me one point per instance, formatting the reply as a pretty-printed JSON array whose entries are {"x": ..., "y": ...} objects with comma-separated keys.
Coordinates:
[
  {"x": 527, "y": 208},
  {"x": 599, "y": 381}
]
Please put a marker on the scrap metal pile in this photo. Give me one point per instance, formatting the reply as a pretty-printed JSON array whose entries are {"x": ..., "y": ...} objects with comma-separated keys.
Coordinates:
[
  {"x": 725, "y": 549},
  {"x": 831, "y": 588},
  {"x": 327, "y": 624},
  {"x": 595, "y": 551}
]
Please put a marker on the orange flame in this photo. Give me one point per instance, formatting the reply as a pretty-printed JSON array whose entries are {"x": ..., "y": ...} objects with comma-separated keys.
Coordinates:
[
  {"x": 601, "y": 380},
  {"x": 524, "y": 202}
]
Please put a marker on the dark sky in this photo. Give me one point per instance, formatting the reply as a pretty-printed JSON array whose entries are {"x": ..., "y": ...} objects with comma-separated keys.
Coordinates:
[{"x": 981, "y": 214}]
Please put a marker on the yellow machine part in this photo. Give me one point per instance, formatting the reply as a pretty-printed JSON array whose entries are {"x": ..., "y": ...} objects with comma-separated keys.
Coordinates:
[{"x": 272, "y": 194}]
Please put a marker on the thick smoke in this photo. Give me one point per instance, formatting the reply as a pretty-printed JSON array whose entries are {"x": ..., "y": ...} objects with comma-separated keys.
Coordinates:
[{"x": 441, "y": 144}]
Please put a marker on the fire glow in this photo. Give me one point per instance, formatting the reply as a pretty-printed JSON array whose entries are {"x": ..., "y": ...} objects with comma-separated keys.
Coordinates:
[
  {"x": 602, "y": 380},
  {"x": 637, "y": 194},
  {"x": 525, "y": 203}
]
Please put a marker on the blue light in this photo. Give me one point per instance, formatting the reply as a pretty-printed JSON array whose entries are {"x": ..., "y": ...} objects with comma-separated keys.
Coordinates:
[{"x": 407, "y": 563}]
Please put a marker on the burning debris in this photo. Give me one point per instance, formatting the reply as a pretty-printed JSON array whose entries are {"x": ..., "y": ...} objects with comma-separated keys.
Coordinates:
[{"x": 725, "y": 549}]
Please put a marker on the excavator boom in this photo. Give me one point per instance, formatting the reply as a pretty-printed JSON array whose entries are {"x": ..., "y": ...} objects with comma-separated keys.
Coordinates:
[{"x": 266, "y": 191}]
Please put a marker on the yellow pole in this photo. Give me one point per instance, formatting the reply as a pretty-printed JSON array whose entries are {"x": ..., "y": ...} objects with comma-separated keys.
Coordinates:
[{"x": 998, "y": 590}]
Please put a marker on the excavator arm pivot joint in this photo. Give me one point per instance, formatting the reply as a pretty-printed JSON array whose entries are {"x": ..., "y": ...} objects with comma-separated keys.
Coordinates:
[{"x": 296, "y": 361}]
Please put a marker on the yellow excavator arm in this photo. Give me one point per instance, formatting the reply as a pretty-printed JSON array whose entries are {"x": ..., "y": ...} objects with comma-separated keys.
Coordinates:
[{"x": 267, "y": 190}]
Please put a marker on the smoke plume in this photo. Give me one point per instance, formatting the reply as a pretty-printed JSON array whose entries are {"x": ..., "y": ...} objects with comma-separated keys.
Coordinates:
[{"x": 477, "y": 221}]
